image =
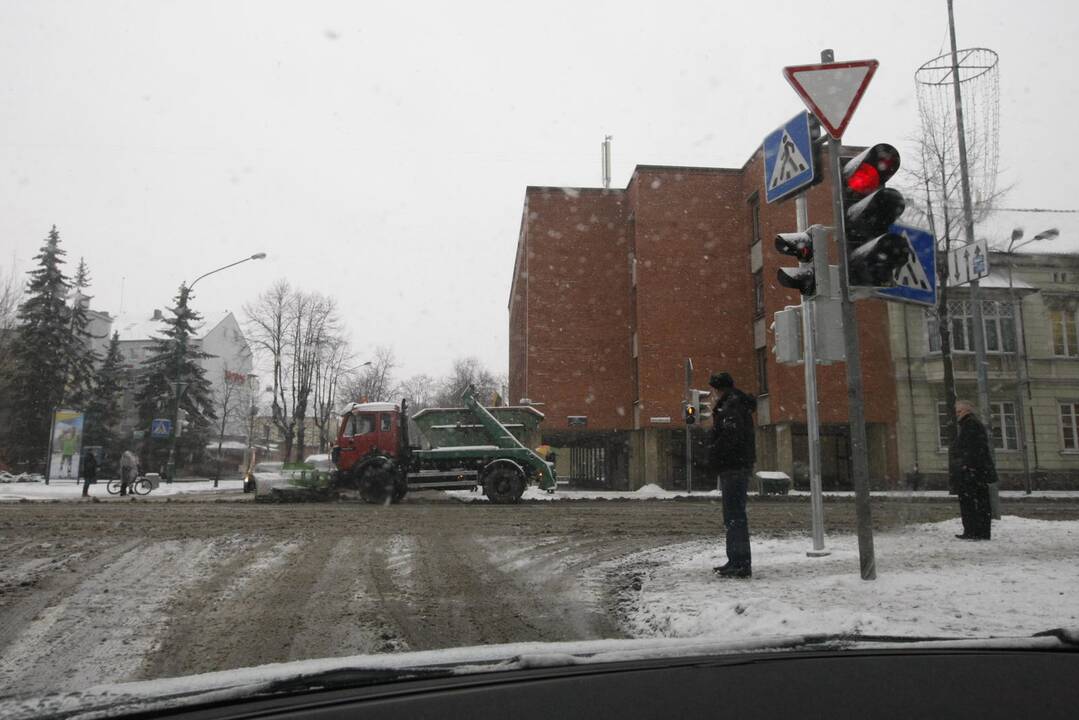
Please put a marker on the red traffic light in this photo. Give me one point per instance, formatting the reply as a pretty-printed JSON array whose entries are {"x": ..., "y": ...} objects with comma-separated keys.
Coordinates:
[
  {"x": 868, "y": 172},
  {"x": 797, "y": 244}
]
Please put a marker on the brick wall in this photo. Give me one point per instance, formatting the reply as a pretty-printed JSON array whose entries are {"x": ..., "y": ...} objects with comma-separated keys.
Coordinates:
[{"x": 569, "y": 309}]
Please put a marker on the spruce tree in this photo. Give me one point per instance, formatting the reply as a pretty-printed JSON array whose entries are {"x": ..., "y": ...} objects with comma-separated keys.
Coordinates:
[
  {"x": 156, "y": 396},
  {"x": 80, "y": 358},
  {"x": 39, "y": 350},
  {"x": 82, "y": 275},
  {"x": 104, "y": 411}
]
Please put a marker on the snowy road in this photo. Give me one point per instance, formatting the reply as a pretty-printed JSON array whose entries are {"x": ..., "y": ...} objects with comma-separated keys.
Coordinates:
[{"x": 122, "y": 590}]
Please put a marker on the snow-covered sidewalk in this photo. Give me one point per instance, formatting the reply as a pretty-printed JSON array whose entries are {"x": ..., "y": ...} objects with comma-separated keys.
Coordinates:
[
  {"x": 928, "y": 583},
  {"x": 67, "y": 490}
]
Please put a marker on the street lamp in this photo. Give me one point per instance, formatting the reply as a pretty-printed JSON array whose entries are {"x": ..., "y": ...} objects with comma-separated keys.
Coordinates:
[
  {"x": 1022, "y": 380},
  {"x": 185, "y": 292}
]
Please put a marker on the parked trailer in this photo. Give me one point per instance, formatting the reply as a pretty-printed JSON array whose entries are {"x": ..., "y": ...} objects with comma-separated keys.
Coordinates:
[{"x": 458, "y": 448}]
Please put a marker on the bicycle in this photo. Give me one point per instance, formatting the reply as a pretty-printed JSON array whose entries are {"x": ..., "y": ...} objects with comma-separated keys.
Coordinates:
[{"x": 139, "y": 486}]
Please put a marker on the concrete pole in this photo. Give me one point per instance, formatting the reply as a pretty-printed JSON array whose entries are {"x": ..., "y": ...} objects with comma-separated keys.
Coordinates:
[{"x": 856, "y": 408}]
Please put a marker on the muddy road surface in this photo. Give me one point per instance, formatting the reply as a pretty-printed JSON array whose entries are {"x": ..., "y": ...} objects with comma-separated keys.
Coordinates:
[{"x": 95, "y": 592}]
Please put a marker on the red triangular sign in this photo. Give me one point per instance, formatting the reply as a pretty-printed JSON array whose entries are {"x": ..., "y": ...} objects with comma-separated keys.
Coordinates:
[{"x": 831, "y": 91}]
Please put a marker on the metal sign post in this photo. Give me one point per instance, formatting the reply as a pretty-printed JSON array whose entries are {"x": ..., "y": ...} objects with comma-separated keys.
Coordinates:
[
  {"x": 689, "y": 445},
  {"x": 809, "y": 335}
]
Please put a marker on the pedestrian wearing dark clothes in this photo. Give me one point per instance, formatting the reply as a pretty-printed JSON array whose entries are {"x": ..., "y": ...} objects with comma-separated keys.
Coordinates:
[
  {"x": 89, "y": 472},
  {"x": 972, "y": 471},
  {"x": 731, "y": 455}
]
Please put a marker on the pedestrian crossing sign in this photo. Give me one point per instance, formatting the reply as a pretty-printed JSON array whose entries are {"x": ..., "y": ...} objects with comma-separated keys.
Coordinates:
[
  {"x": 160, "y": 428},
  {"x": 788, "y": 159},
  {"x": 915, "y": 282}
]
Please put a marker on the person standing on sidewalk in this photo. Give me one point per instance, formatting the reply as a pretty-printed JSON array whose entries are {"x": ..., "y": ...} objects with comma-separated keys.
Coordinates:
[
  {"x": 731, "y": 455},
  {"x": 972, "y": 472},
  {"x": 88, "y": 467}
]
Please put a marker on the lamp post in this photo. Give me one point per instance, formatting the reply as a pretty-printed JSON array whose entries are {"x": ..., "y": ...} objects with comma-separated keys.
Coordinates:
[
  {"x": 1020, "y": 344},
  {"x": 179, "y": 384}
]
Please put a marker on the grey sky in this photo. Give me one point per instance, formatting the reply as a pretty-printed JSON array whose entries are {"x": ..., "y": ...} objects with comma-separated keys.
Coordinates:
[{"x": 379, "y": 152}]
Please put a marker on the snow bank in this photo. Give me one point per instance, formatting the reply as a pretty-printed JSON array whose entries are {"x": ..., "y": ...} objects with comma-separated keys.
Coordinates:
[
  {"x": 929, "y": 583},
  {"x": 655, "y": 492},
  {"x": 67, "y": 490}
]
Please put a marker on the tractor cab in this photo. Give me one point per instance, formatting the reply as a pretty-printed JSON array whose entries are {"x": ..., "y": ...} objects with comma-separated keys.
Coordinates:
[{"x": 367, "y": 429}]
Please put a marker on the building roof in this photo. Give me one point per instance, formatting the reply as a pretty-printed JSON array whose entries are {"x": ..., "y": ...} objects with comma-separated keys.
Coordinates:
[{"x": 143, "y": 327}]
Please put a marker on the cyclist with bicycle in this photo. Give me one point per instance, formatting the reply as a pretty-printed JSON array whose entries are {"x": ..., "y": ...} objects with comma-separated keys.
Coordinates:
[{"x": 129, "y": 470}]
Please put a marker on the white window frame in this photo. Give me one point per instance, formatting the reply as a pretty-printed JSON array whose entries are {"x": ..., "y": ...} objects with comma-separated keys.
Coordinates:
[
  {"x": 995, "y": 315},
  {"x": 1070, "y": 327},
  {"x": 1073, "y": 408}
]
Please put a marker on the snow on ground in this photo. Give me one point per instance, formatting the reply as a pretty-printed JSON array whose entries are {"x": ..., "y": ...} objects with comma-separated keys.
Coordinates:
[
  {"x": 928, "y": 584},
  {"x": 655, "y": 492},
  {"x": 108, "y": 624},
  {"x": 67, "y": 490}
]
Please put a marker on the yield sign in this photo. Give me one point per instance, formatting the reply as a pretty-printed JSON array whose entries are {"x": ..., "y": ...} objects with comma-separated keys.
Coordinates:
[{"x": 831, "y": 91}]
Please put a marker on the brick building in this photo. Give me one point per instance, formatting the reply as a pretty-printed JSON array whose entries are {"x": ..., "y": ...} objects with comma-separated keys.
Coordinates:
[{"x": 613, "y": 289}]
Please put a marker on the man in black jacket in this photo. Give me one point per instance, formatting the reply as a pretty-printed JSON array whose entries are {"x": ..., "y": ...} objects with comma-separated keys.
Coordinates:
[
  {"x": 731, "y": 455},
  {"x": 972, "y": 471}
]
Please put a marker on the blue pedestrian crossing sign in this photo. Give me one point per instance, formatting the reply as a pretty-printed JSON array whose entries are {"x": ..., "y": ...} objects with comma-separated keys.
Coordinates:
[
  {"x": 915, "y": 282},
  {"x": 160, "y": 428},
  {"x": 788, "y": 159}
]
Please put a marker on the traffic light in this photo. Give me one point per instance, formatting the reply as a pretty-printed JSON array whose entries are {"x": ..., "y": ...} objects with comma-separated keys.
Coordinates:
[
  {"x": 803, "y": 246},
  {"x": 873, "y": 254},
  {"x": 689, "y": 412},
  {"x": 699, "y": 400}
]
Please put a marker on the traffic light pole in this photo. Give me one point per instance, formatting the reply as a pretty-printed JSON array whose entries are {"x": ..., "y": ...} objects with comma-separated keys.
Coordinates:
[
  {"x": 689, "y": 445},
  {"x": 809, "y": 338},
  {"x": 855, "y": 404}
]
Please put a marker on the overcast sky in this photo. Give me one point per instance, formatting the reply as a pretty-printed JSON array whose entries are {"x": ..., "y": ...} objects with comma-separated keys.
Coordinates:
[{"x": 379, "y": 152}]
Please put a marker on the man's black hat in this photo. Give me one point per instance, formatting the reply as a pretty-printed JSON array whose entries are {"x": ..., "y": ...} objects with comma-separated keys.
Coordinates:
[{"x": 721, "y": 380}]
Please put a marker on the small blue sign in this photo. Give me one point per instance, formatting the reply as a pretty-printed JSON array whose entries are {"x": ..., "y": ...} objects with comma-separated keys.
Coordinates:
[
  {"x": 788, "y": 159},
  {"x": 915, "y": 282},
  {"x": 160, "y": 428}
]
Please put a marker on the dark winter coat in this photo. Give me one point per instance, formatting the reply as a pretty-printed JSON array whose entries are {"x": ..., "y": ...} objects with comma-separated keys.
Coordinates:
[
  {"x": 732, "y": 442},
  {"x": 971, "y": 457},
  {"x": 89, "y": 467}
]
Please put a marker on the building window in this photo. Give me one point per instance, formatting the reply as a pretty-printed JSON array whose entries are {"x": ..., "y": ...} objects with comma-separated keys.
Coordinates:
[
  {"x": 1065, "y": 338},
  {"x": 762, "y": 371},
  {"x": 758, "y": 293},
  {"x": 997, "y": 317},
  {"x": 1069, "y": 427},
  {"x": 1005, "y": 434},
  {"x": 755, "y": 217}
]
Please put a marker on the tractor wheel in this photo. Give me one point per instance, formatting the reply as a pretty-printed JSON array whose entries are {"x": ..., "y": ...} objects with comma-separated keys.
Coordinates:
[
  {"x": 504, "y": 485},
  {"x": 376, "y": 483}
]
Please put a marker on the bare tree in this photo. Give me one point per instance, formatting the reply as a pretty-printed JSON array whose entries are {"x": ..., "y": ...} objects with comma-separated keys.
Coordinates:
[
  {"x": 419, "y": 390},
  {"x": 468, "y": 372},
  {"x": 334, "y": 358},
  {"x": 11, "y": 291},
  {"x": 231, "y": 400},
  {"x": 269, "y": 326},
  {"x": 375, "y": 382},
  {"x": 935, "y": 197}
]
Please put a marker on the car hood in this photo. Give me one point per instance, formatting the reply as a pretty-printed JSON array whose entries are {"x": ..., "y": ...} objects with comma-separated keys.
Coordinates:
[{"x": 359, "y": 670}]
